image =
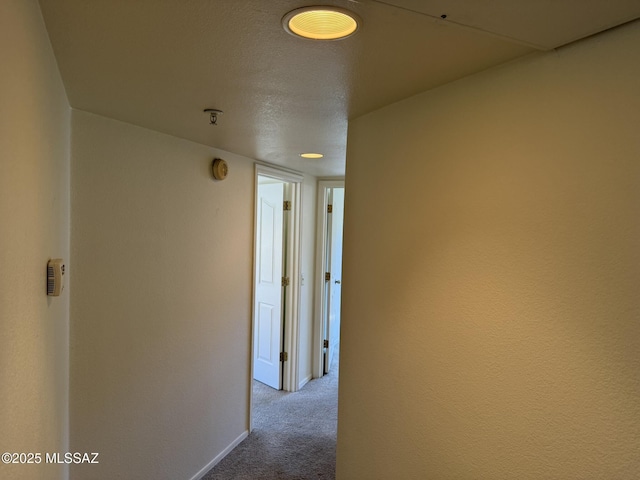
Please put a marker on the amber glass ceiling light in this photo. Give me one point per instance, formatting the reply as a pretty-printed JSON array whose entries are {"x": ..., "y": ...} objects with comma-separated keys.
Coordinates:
[
  {"x": 321, "y": 23},
  {"x": 311, "y": 155}
]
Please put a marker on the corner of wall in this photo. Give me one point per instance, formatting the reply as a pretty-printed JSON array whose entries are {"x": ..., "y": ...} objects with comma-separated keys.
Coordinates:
[{"x": 35, "y": 216}]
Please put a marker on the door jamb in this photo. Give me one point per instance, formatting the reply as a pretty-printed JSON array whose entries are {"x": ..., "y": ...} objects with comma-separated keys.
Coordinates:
[
  {"x": 293, "y": 262},
  {"x": 321, "y": 260}
]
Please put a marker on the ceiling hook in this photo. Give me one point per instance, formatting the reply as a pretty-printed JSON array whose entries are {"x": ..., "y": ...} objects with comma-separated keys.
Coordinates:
[{"x": 213, "y": 115}]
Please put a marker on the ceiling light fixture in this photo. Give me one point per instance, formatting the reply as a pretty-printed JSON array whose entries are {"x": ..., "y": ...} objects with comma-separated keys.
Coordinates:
[
  {"x": 311, "y": 155},
  {"x": 321, "y": 23}
]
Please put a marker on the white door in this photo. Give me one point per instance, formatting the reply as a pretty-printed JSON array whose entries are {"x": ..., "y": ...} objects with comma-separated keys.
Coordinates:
[
  {"x": 334, "y": 262},
  {"x": 268, "y": 297}
]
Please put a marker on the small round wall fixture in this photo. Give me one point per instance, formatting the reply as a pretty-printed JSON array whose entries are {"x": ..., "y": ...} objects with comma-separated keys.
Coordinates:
[
  {"x": 219, "y": 169},
  {"x": 321, "y": 23}
]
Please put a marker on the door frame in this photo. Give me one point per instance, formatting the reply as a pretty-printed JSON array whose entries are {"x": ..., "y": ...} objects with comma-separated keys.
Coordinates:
[
  {"x": 291, "y": 305},
  {"x": 321, "y": 260}
]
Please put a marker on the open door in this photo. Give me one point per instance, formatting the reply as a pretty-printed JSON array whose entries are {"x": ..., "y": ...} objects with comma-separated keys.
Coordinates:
[
  {"x": 276, "y": 279},
  {"x": 333, "y": 273},
  {"x": 268, "y": 326}
]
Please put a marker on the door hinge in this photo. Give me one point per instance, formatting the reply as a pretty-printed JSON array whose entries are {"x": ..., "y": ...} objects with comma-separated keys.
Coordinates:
[
  {"x": 326, "y": 344},
  {"x": 329, "y": 208},
  {"x": 286, "y": 205},
  {"x": 285, "y": 281},
  {"x": 327, "y": 276},
  {"x": 284, "y": 356}
]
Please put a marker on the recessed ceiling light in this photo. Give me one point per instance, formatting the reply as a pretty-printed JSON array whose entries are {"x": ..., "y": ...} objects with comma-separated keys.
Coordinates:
[
  {"x": 321, "y": 23},
  {"x": 311, "y": 155}
]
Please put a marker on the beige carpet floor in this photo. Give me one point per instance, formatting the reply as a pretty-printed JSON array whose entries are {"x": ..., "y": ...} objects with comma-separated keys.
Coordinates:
[{"x": 294, "y": 435}]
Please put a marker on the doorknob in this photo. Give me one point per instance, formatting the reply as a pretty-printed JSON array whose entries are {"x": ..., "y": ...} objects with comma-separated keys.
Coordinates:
[{"x": 338, "y": 282}]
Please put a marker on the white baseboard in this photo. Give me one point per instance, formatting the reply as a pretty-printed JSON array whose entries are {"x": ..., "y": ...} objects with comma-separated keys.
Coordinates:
[
  {"x": 203, "y": 471},
  {"x": 304, "y": 381}
]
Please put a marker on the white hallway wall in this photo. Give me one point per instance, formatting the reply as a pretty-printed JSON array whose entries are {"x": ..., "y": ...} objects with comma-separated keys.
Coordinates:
[
  {"x": 309, "y": 200},
  {"x": 490, "y": 315},
  {"x": 161, "y": 313},
  {"x": 34, "y": 227},
  {"x": 161, "y": 310}
]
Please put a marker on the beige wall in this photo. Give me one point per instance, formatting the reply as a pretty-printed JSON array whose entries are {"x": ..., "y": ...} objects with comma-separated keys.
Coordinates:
[
  {"x": 34, "y": 227},
  {"x": 161, "y": 311},
  {"x": 491, "y": 310}
]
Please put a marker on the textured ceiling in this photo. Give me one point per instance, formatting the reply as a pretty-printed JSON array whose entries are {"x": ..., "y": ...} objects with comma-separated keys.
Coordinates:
[{"x": 158, "y": 64}]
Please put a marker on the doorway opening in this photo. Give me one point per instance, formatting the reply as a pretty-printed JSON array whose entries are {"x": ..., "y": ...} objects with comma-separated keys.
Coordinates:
[
  {"x": 329, "y": 264},
  {"x": 276, "y": 284}
]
